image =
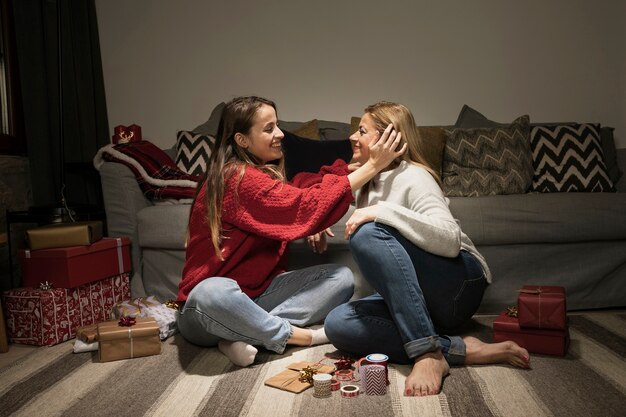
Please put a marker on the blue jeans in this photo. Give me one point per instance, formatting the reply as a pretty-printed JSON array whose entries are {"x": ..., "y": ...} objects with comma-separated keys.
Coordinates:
[
  {"x": 419, "y": 295},
  {"x": 217, "y": 308}
]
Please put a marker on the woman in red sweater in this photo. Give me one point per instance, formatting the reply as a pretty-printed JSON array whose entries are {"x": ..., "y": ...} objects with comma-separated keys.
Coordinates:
[{"x": 235, "y": 288}]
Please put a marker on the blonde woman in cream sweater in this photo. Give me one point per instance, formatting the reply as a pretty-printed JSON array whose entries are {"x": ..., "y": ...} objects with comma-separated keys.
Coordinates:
[{"x": 428, "y": 276}]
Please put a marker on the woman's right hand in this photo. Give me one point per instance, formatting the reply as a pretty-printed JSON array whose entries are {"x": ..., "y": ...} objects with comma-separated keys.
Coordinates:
[
  {"x": 386, "y": 148},
  {"x": 383, "y": 151}
]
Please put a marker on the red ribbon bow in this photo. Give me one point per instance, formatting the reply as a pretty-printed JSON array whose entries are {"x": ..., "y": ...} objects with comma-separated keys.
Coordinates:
[
  {"x": 126, "y": 321},
  {"x": 344, "y": 363}
]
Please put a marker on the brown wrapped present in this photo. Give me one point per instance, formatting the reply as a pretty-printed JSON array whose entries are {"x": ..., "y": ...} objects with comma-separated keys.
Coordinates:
[
  {"x": 61, "y": 235},
  {"x": 164, "y": 313},
  {"x": 88, "y": 334},
  {"x": 294, "y": 379},
  {"x": 118, "y": 340}
]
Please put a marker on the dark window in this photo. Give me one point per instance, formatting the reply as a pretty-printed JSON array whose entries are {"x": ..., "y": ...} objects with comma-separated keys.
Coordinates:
[{"x": 12, "y": 139}]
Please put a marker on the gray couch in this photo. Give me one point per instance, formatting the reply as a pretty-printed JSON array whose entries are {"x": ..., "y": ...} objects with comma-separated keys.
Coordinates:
[{"x": 576, "y": 240}]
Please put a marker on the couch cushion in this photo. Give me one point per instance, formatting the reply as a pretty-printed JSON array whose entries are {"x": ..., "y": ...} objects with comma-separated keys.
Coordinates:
[
  {"x": 470, "y": 118},
  {"x": 488, "y": 161},
  {"x": 210, "y": 126},
  {"x": 330, "y": 130},
  {"x": 433, "y": 143},
  {"x": 354, "y": 124},
  {"x": 193, "y": 152},
  {"x": 610, "y": 154},
  {"x": 309, "y": 130},
  {"x": 542, "y": 218},
  {"x": 568, "y": 158},
  {"x": 163, "y": 226}
]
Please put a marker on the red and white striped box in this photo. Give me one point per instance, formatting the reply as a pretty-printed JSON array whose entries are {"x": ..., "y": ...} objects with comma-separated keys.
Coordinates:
[{"x": 47, "y": 317}]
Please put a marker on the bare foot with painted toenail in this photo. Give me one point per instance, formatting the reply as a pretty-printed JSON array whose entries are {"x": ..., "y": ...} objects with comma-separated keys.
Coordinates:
[{"x": 427, "y": 375}]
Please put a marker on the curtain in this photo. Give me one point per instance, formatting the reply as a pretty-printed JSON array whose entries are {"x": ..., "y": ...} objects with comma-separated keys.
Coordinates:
[{"x": 82, "y": 102}]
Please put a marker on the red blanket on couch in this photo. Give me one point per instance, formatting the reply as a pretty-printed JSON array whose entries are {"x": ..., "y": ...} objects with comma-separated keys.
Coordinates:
[{"x": 157, "y": 175}]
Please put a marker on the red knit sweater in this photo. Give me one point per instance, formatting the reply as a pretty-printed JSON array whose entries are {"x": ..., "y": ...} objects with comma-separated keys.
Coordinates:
[{"x": 257, "y": 222}]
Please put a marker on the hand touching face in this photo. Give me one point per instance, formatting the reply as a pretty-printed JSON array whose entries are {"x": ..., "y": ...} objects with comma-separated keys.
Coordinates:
[{"x": 361, "y": 139}]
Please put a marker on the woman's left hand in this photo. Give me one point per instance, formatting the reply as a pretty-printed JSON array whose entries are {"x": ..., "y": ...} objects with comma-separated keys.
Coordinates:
[
  {"x": 317, "y": 242},
  {"x": 360, "y": 216}
]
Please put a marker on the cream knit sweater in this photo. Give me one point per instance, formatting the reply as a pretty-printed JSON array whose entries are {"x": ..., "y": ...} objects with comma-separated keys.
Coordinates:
[{"x": 411, "y": 201}]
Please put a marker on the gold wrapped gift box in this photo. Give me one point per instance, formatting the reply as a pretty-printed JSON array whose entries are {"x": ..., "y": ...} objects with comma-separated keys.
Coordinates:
[
  {"x": 289, "y": 379},
  {"x": 127, "y": 342},
  {"x": 61, "y": 235}
]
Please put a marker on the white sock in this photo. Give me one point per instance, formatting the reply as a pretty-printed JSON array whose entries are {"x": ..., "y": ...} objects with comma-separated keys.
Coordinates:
[
  {"x": 239, "y": 353},
  {"x": 318, "y": 336}
]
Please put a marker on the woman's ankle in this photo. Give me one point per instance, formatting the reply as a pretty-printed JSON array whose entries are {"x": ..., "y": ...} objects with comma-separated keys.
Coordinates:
[{"x": 300, "y": 337}]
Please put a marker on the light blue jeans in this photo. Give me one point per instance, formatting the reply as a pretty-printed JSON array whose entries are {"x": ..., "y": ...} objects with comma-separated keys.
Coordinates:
[
  {"x": 419, "y": 295},
  {"x": 217, "y": 308}
]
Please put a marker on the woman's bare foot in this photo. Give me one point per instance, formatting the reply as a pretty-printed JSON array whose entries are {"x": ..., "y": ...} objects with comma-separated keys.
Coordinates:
[
  {"x": 480, "y": 353},
  {"x": 427, "y": 375}
]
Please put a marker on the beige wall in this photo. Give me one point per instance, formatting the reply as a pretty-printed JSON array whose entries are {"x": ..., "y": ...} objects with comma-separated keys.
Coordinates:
[{"x": 167, "y": 63}]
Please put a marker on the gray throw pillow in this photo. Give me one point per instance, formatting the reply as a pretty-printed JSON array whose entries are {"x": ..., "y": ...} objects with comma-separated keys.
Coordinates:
[
  {"x": 488, "y": 161},
  {"x": 470, "y": 118},
  {"x": 210, "y": 126}
]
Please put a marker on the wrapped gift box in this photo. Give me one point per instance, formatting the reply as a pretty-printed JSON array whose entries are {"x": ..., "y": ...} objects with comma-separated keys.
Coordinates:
[
  {"x": 164, "y": 315},
  {"x": 47, "y": 317},
  {"x": 545, "y": 341},
  {"x": 73, "y": 266},
  {"x": 542, "y": 307},
  {"x": 64, "y": 234},
  {"x": 289, "y": 379},
  {"x": 88, "y": 334},
  {"x": 127, "y": 342}
]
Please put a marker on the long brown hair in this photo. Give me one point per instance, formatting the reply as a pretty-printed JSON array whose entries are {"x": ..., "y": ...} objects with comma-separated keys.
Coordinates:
[
  {"x": 228, "y": 159},
  {"x": 386, "y": 112}
]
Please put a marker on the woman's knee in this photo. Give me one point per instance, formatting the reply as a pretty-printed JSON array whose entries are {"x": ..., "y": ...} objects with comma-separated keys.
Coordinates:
[
  {"x": 361, "y": 240},
  {"x": 335, "y": 323},
  {"x": 211, "y": 293},
  {"x": 344, "y": 279}
]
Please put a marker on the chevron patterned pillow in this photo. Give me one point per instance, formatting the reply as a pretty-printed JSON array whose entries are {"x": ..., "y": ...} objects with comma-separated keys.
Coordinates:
[
  {"x": 193, "y": 152},
  {"x": 568, "y": 158},
  {"x": 488, "y": 161}
]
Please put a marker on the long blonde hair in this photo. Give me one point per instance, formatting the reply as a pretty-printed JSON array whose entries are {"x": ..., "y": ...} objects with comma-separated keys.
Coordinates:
[
  {"x": 384, "y": 113},
  {"x": 228, "y": 159}
]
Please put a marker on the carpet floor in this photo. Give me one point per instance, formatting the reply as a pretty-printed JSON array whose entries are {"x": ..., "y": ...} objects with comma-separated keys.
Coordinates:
[{"x": 186, "y": 380}]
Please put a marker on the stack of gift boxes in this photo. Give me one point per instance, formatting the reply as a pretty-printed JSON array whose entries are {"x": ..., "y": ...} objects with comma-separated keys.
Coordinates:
[
  {"x": 538, "y": 323},
  {"x": 72, "y": 277}
]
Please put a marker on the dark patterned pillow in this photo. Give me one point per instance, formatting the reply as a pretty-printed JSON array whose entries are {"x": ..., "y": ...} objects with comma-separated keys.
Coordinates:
[
  {"x": 568, "y": 158},
  {"x": 193, "y": 152},
  {"x": 488, "y": 161}
]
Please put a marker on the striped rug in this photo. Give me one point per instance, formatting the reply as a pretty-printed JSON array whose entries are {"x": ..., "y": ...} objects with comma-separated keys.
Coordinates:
[{"x": 187, "y": 380}]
